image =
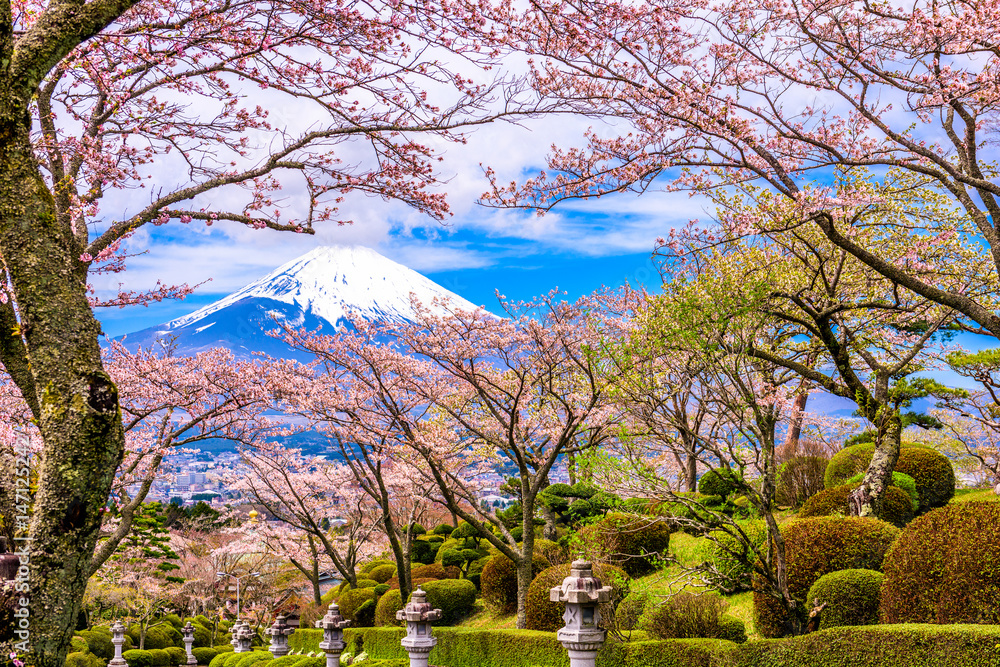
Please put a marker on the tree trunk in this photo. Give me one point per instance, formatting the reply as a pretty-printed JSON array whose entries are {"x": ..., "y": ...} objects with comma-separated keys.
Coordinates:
[
  {"x": 524, "y": 571},
  {"x": 791, "y": 446},
  {"x": 691, "y": 471},
  {"x": 571, "y": 467},
  {"x": 866, "y": 500},
  {"x": 73, "y": 398}
]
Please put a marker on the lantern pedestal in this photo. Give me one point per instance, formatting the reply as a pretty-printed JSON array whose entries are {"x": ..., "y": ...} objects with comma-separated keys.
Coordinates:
[
  {"x": 188, "y": 632},
  {"x": 582, "y": 635},
  {"x": 279, "y": 632},
  {"x": 419, "y": 639},
  {"x": 333, "y": 644},
  {"x": 118, "y": 639}
]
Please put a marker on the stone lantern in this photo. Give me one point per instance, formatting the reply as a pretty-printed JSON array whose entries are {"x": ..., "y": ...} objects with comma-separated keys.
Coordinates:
[
  {"x": 279, "y": 636},
  {"x": 242, "y": 636},
  {"x": 118, "y": 638},
  {"x": 188, "y": 633},
  {"x": 418, "y": 615},
  {"x": 582, "y": 635},
  {"x": 333, "y": 625}
]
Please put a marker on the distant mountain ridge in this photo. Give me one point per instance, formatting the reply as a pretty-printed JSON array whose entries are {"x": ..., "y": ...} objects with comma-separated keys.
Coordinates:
[{"x": 318, "y": 288}]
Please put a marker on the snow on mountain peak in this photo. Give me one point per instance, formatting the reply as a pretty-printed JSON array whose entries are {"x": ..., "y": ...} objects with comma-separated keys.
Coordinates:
[{"x": 331, "y": 281}]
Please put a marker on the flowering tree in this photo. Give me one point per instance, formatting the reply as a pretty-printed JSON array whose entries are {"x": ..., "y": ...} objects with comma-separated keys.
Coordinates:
[
  {"x": 308, "y": 495},
  {"x": 359, "y": 393},
  {"x": 102, "y": 93},
  {"x": 520, "y": 391}
]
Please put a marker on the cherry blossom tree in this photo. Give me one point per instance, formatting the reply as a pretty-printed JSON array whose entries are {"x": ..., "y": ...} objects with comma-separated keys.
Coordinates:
[
  {"x": 520, "y": 391},
  {"x": 102, "y": 94},
  {"x": 309, "y": 495}
]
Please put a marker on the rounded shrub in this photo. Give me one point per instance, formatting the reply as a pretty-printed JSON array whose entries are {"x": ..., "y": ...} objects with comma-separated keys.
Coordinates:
[
  {"x": 555, "y": 553},
  {"x": 159, "y": 657},
  {"x": 98, "y": 643},
  {"x": 435, "y": 571},
  {"x": 249, "y": 659},
  {"x": 78, "y": 645},
  {"x": 204, "y": 654},
  {"x": 719, "y": 482},
  {"x": 542, "y": 614},
  {"x": 217, "y": 661},
  {"x": 931, "y": 471},
  {"x": 818, "y": 546},
  {"x": 366, "y": 569},
  {"x": 139, "y": 658},
  {"x": 443, "y": 529},
  {"x": 351, "y": 600},
  {"x": 945, "y": 567},
  {"x": 899, "y": 480},
  {"x": 382, "y": 573},
  {"x": 157, "y": 637},
  {"x": 732, "y": 629},
  {"x": 381, "y": 589},
  {"x": 178, "y": 656},
  {"x": 174, "y": 620},
  {"x": 630, "y": 541},
  {"x": 83, "y": 659},
  {"x": 851, "y": 597},
  {"x": 454, "y": 597},
  {"x": 498, "y": 582},
  {"x": 364, "y": 616},
  {"x": 285, "y": 661},
  {"x": 897, "y": 507},
  {"x": 225, "y": 647},
  {"x": 307, "y": 661},
  {"x": 367, "y": 583},
  {"x": 799, "y": 478},
  {"x": 385, "y": 610},
  {"x": 202, "y": 635}
]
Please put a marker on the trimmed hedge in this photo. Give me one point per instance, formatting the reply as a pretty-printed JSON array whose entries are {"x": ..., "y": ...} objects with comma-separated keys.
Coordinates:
[
  {"x": 159, "y": 657},
  {"x": 688, "y": 615},
  {"x": 630, "y": 541},
  {"x": 818, "y": 546},
  {"x": 385, "y": 611},
  {"x": 930, "y": 469},
  {"x": 498, "y": 582},
  {"x": 216, "y": 661},
  {"x": 382, "y": 573},
  {"x": 83, "y": 659},
  {"x": 547, "y": 616},
  {"x": 945, "y": 567},
  {"x": 372, "y": 564},
  {"x": 851, "y": 596},
  {"x": 897, "y": 507},
  {"x": 352, "y": 600},
  {"x": 872, "y": 646},
  {"x": 454, "y": 597},
  {"x": 178, "y": 656},
  {"x": 252, "y": 658},
  {"x": 98, "y": 643},
  {"x": 204, "y": 654},
  {"x": 285, "y": 661}
]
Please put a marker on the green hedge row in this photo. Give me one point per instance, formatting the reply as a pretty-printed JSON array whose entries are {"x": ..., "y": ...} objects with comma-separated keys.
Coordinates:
[{"x": 867, "y": 646}]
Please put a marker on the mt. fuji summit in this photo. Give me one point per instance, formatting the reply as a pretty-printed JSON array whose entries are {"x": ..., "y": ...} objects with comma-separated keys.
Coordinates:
[{"x": 318, "y": 288}]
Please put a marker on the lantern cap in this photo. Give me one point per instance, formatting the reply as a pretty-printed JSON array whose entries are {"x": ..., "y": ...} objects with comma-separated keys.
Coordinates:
[
  {"x": 581, "y": 586},
  {"x": 333, "y": 620},
  {"x": 418, "y": 609}
]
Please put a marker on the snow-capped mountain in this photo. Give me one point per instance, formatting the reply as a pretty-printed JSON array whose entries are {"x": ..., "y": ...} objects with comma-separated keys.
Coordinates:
[{"x": 318, "y": 288}]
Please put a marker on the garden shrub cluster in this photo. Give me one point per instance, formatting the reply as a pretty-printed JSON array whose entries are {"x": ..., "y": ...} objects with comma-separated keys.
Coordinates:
[
  {"x": 945, "y": 567},
  {"x": 84, "y": 659},
  {"x": 352, "y": 600},
  {"x": 732, "y": 558},
  {"x": 818, "y": 546},
  {"x": 689, "y": 615},
  {"x": 454, "y": 597},
  {"x": 204, "y": 654},
  {"x": 897, "y": 507},
  {"x": 388, "y": 605},
  {"x": 931, "y": 471},
  {"x": 547, "y": 616},
  {"x": 498, "y": 582},
  {"x": 851, "y": 597},
  {"x": 632, "y": 542},
  {"x": 720, "y": 482}
]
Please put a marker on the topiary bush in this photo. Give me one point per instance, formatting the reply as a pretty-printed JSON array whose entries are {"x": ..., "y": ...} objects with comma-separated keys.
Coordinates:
[
  {"x": 204, "y": 654},
  {"x": 851, "y": 597},
  {"x": 351, "y": 600},
  {"x": 159, "y": 657},
  {"x": 799, "y": 478},
  {"x": 547, "y": 616},
  {"x": 899, "y": 480},
  {"x": 217, "y": 661},
  {"x": 83, "y": 659},
  {"x": 719, "y": 482},
  {"x": 818, "y": 546},
  {"x": 98, "y": 643},
  {"x": 367, "y": 583},
  {"x": 386, "y": 608},
  {"x": 630, "y": 541},
  {"x": 364, "y": 616},
  {"x": 366, "y": 569},
  {"x": 931, "y": 471},
  {"x": 443, "y": 529},
  {"x": 249, "y": 659},
  {"x": 945, "y": 567},
  {"x": 382, "y": 573},
  {"x": 139, "y": 658},
  {"x": 178, "y": 656},
  {"x": 688, "y": 615},
  {"x": 435, "y": 571},
  {"x": 897, "y": 507},
  {"x": 498, "y": 582},
  {"x": 454, "y": 597}
]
